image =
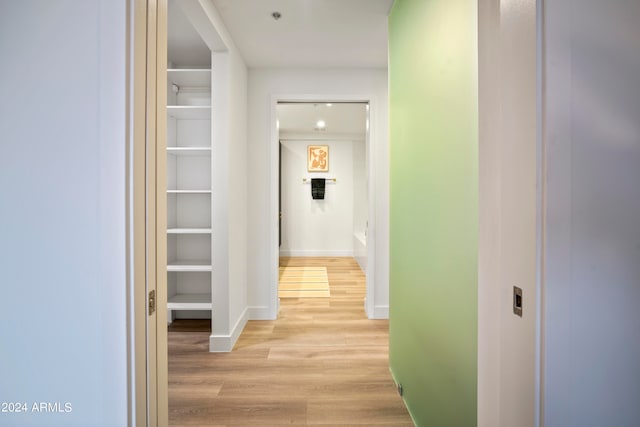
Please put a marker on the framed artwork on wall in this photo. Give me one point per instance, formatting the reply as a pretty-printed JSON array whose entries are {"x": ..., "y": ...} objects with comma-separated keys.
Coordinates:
[{"x": 318, "y": 158}]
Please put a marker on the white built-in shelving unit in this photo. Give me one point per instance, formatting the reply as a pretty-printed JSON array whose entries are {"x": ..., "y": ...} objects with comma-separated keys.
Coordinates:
[{"x": 189, "y": 237}]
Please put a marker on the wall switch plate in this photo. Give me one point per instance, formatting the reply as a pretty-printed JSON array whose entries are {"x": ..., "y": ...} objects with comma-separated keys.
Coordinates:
[{"x": 517, "y": 301}]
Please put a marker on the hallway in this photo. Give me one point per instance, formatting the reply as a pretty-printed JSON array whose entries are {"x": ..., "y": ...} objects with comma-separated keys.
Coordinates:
[{"x": 321, "y": 362}]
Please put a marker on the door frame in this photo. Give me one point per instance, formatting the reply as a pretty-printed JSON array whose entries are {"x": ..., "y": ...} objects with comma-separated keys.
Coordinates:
[
  {"x": 274, "y": 214},
  {"x": 148, "y": 381}
]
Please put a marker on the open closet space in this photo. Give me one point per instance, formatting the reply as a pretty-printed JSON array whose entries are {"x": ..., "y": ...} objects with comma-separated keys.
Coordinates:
[{"x": 188, "y": 163}]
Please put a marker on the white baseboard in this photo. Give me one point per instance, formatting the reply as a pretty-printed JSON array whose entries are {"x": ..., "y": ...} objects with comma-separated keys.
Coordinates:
[
  {"x": 225, "y": 343},
  {"x": 303, "y": 253},
  {"x": 380, "y": 312}
]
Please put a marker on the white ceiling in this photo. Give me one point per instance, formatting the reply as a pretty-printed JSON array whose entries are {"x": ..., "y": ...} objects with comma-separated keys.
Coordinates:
[
  {"x": 348, "y": 119},
  {"x": 310, "y": 33}
]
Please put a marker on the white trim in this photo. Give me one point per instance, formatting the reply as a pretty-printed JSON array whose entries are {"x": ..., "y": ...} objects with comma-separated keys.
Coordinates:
[
  {"x": 225, "y": 343},
  {"x": 305, "y": 253},
  {"x": 274, "y": 251},
  {"x": 541, "y": 182},
  {"x": 309, "y": 136},
  {"x": 371, "y": 232},
  {"x": 138, "y": 399},
  {"x": 133, "y": 385},
  {"x": 380, "y": 312}
]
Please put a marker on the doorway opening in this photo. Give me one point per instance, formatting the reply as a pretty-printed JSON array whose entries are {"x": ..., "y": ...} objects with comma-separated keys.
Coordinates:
[{"x": 324, "y": 204}]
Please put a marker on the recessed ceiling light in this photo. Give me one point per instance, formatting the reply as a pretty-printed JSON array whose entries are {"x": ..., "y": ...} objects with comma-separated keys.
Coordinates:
[
  {"x": 321, "y": 125},
  {"x": 276, "y": 15},
  {"x": 329, "y": 104}
]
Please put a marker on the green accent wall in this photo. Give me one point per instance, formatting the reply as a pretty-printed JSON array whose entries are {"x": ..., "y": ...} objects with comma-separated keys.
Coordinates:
[{"x": 434, "y": 208}]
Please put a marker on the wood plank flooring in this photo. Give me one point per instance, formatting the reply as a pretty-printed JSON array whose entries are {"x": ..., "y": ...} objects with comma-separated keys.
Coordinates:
[{"x": 321, "y": 363}]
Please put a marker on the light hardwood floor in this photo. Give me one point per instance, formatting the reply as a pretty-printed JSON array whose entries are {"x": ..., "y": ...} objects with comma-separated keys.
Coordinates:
[{"x": 321, "y": 363}]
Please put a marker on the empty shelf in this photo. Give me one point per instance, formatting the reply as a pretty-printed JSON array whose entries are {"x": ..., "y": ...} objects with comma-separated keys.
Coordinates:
[
  {"x": 189, "y": 151},
  {"x": 189, "y": 302},
  {"x": 189, "y": 231},
  {"x": 182, "y": 265},
  {"x": 188, "y": 191},
  {"x": 189, "y": 112}
]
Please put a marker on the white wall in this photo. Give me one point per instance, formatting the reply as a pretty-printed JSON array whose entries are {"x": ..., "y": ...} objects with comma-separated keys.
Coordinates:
[
  {"x": 229, "y": 198},
  {"x": 592, "y": 237},
  {"x": 264, "y": 84},
  {"x": 229, "y": 176},
  {"x": 63, "y": 210},
  {"x": 508, "y": 209},
  {"x": 360, "y": 212},
  {"x": 238, "y": 196},
  {"x": 318, "y": 227}
]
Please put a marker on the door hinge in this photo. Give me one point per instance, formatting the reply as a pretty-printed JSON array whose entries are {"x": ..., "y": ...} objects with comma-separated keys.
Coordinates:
[{"x": 152, "y": 302}]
